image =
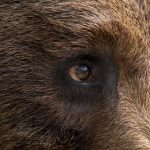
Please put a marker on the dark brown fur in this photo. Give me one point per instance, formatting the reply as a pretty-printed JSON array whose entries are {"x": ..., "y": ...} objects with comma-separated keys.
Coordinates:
[{"x": 36, "y": 38}]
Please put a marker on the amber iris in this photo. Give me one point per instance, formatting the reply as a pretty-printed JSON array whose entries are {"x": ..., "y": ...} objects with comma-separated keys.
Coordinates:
[{"x": 80, "y": 73}]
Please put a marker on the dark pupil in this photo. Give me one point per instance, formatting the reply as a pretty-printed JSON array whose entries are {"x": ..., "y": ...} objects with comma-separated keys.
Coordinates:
[{"x": 83, "y": 72}]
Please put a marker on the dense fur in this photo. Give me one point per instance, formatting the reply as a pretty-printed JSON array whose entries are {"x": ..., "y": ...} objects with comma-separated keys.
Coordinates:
[{"x": 37, "y": 39}]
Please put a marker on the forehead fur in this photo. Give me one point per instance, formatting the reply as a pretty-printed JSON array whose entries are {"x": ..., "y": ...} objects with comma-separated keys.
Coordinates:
[{"x": 79, "y": 25}]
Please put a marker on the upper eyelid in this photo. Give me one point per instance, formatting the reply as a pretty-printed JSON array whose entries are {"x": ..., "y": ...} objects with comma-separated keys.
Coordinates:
[{"x": 83, "y": 59}]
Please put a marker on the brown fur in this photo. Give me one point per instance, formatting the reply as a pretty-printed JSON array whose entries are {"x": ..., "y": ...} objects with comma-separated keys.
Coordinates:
[{"x": 36, "y": 38}]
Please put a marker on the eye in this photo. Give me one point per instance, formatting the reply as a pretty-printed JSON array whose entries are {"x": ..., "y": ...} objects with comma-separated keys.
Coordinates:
[{"x": 81, "y": 73}]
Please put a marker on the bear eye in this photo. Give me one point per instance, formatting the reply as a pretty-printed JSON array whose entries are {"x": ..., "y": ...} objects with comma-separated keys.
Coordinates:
[{"x": 81, "y": 73}]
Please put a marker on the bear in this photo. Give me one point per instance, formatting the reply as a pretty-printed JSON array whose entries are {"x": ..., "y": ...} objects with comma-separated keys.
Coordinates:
[{"x": 75, "y": 75}]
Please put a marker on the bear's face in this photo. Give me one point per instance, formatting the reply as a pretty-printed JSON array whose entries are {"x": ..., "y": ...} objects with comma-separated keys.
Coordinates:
[{"x": 74, "y": 75}]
